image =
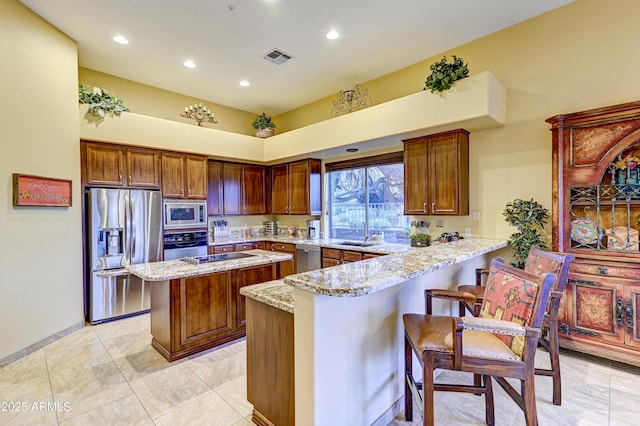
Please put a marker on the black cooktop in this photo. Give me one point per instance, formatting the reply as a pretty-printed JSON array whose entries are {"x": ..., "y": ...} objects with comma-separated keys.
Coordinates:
[{"x": 215, "y": 258}]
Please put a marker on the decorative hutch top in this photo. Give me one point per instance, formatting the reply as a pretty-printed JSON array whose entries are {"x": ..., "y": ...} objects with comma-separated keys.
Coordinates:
[{"x": 596, "y": 170}]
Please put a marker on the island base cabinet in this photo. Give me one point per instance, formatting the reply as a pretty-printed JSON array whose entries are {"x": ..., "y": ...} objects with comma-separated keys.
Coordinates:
[
  {"x": 189, "y": 315},
  {"x": 270, "y": 364}
]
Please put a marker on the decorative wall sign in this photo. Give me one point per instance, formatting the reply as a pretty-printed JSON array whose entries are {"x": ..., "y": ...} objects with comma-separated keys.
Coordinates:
[{"x": 41, "y": 191}]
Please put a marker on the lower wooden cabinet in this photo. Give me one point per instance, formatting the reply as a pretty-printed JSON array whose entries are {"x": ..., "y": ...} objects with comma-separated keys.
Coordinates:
[
  {"x": 270, "y": 364},
  {"x": 334, "y": 257},
  {"x": 287, "y": 268},
  {"x": 189, "y": 315},
  {"x": 600, "y": 311}
]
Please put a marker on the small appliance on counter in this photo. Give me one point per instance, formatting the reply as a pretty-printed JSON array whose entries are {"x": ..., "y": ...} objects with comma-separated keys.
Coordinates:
[
  {"x": 313, "y": 229},
  {"x": 271, "y": 227}
]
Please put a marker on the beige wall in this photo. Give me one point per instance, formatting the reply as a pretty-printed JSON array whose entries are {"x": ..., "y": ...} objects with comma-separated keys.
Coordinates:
[
  {"x": 41, "y": 251},
  {"x": 149, "y": 100}
]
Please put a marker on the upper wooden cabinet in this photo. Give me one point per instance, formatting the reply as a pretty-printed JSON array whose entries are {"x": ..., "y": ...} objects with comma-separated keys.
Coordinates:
[
  {"x": 436, "y": 174},
  {"x": 184, "y": 176},
  {"x": 240, "y": 189},
  {"x": 111, "y": 165},
  {"x": 214, "y": 188},
  {"x": 296, "y": 188}
]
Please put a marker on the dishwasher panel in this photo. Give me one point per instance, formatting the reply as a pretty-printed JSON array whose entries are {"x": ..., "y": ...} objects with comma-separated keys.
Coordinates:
[{"x": 307, "y": 258}]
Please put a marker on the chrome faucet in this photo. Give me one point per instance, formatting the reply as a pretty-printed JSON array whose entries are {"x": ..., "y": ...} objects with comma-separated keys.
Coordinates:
[{"x": 365, "y": 229}]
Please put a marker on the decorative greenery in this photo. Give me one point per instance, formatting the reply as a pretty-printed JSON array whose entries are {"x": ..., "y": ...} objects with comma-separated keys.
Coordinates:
[
  {"x": 263, "y": 121},
  {"x": 529, "y": 217},
  {"x": 420, "y": 240},
  {"x": 444, "y": 74},
  {"x": 420, "y": 223},
  {"x": 100, "y": 101}
]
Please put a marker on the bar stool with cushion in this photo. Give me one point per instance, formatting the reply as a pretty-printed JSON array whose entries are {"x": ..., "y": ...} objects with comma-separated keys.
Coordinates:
[
  {"x": 538, "y": 262},
  {"x": 500, "y": 343}
]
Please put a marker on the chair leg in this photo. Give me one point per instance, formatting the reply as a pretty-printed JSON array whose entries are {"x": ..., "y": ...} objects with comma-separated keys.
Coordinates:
[
  {"x": 462, "y": 309},
  {"x": 529, "y": 399},
  {"x": 488, "y": 401},
  {"x": 408, "y": 371},
  {"x": 428, "y": 389},
  {"x": 555, "y": 365}
]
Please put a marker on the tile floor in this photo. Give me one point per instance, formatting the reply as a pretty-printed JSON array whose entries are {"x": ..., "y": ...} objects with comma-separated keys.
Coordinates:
[{"x": 109, "y": 375}]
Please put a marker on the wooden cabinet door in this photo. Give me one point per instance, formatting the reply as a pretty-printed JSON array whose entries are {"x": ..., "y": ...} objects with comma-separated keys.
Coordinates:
[
  {"x": 327, "y": 262},
  {"x": 172, "y": 175},
  {"x": 632, "y": 315},
  {"x": 105, "y": 165},
  {"x": 595, "y": 309},
  {"x": 214, "y": 188},
  {"x": 250, "y": 276},
  {"x": 143, "y": 168},
  {"x": 280, "y": 189},
  {"x": 415, "y": 177},
  {"x": 232, "y": 188},
  {"x": 286, "y": 269},
  {"x": 254, "y": 189},
  {"x": 195, "y": 177},
  {"x": 205, "y": 308},
  {"x": 448, "y": 179},
  {"x": 299, "y": 187}
]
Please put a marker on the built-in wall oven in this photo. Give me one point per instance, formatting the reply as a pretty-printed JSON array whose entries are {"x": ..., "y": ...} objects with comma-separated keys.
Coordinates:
[{"x": 179, "y": 244}]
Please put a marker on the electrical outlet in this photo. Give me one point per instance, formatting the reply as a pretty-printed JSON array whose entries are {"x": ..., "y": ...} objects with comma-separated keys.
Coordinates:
[
  {"x": 476, "y": 216},
  {"x": 467, "y": 232},
  {"x": 440, "y": 224}
]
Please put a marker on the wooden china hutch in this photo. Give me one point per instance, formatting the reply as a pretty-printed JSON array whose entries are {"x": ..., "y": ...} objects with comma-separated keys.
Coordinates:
[{"x": 596, "y": 216}]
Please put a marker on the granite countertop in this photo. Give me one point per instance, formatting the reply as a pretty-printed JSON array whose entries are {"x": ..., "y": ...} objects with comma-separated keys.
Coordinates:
[
  {"x": 372, "y": 275},
  {"x": 273, "y": 293},
  {"x": 171, "y": 269}
]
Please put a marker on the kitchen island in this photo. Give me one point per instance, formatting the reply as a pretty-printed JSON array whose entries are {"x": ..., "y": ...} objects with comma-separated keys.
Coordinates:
[
  {"x": 197, "y": 306},
  {"x": 347, "y": 333}
]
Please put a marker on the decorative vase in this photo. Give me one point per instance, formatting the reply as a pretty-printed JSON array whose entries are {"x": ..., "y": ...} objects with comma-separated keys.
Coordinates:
[{"x": 264, "y": 133}]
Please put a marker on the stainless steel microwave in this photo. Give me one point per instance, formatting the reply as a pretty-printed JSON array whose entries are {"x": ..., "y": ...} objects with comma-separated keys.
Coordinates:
[{"x": 185, "y": 214}]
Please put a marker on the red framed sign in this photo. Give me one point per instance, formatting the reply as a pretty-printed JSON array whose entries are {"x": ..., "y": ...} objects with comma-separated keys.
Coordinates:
[{"x": 41, "y": 191}]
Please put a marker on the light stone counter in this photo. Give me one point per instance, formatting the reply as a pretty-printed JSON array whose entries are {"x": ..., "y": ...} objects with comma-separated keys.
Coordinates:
[
  {"x": 372, "y": 275},
  {"x": 171, "y": 269},
  {"x": 274, "y": 293}
]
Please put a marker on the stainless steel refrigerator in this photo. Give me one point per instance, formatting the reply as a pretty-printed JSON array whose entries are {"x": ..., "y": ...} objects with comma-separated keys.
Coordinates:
[{"x": 123, "y": 227}]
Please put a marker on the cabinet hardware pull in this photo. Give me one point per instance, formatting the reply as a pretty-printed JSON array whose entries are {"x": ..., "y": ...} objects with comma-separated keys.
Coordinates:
[
  {"x": 120, "y": 178},
  {"x": 566, "y": 329},
  {"x": 619, "y": 312},
  {"x": 129, "y": 179},
  {"x": 602, "y": 271},
  {"x": 189, "y": 191},
  {"x": 581, "y": 282},
  {"x": 433, "y": 207},
  {"x": 424, "y": 207},
  {"x": 182, "y": 192},
  {"x": 629, "y": 317}
]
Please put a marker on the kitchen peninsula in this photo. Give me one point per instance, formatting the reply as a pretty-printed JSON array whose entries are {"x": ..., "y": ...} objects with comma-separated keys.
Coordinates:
[
  {"x": 345, "y": 332},
  {"x": 197, "y": 306}
]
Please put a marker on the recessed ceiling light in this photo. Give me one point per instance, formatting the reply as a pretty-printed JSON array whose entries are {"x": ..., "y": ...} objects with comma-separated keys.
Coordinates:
[
  {"x": 244, "y": 83},
  {"x": 120, "y": 39},
  {"x": 332, "y": 35},
  {"x": 352, "y": 149},
  {"x": 189, "y": 64}
]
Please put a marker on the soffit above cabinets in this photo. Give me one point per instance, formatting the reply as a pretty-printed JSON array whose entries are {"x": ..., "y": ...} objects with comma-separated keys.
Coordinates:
[{"x": 474, "y": 103}]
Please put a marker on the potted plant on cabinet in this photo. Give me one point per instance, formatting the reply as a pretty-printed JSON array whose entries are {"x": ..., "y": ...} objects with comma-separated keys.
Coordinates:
[
  {"x": 101, "y": 102},
  {"x": 444, "y": 74},
  {"x": 529, "y": 217},
  {"x": 263, "y": 125}
]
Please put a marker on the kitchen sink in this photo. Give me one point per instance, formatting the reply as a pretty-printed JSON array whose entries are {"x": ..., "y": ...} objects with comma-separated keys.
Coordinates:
[{"x": 355, "y": 244}]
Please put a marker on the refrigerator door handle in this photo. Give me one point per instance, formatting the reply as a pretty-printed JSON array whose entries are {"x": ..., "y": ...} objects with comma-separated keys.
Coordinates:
[
  {"x": 133, "y": 228},
  {"x": 109, "y": 274}
]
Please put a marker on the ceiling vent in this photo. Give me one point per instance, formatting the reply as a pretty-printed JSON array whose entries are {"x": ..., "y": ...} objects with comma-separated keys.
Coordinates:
[{"x": 277, "y": 56}]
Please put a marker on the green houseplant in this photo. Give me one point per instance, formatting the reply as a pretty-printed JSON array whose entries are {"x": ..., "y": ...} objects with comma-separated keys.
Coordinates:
[
  {"x": 264, "y": 125},
  {"x": 529, "y": 217},
  {"x": 100, "y": 101},
  {"x": 420, "y": 240},
  {"x": 444, "y": 74}
]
